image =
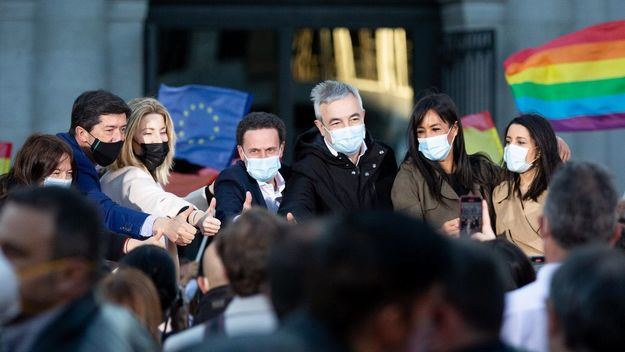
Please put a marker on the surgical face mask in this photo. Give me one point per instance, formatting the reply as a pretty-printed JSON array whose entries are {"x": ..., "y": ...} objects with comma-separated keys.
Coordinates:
[
  {"x": 435, "y": 148},
  {"x": 348, "y": 140},
  {"x": 153, "y": 154},
  {"x": 514, "y": 156},
  {"x": 104, "y": 154},
  {"x": 263, "y": 169},
  {"x": 9, "y": 291},
  {"x": 57, "y": 182}
]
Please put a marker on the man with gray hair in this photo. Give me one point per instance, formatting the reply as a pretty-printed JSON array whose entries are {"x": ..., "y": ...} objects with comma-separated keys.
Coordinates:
[
  {"x": 580, "y": 209},
  {"x": 338, "y": 166}
]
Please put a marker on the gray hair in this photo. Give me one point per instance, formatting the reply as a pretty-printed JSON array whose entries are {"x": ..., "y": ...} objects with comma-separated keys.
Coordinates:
[
  {"x": 588, "y": 285},
  {"x": 328, "y": 91},
  {"x": 581, "y": 205}
]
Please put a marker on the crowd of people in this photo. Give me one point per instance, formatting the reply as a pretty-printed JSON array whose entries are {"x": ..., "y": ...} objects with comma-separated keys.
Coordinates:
[{"x": 343, "y": 250}]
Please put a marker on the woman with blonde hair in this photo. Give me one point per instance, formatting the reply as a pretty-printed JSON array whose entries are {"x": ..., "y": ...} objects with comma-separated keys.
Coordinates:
[{"x": 137, "y": 177}]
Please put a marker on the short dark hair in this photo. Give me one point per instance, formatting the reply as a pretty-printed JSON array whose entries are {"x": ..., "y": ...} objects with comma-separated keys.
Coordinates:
[
  {"x": 244, "y": 249},
  {"x": 519, "y": 271},
  {"x": 548, "y": 161},
  {"x": 287, "y": 270},
  {"x": 158, "y": 265},
  {"x": 77, "y": 223},
  {"x": 90, "y": 105},
  {"x": 260, "y": 120},
  {"x": 587, "y": 297},
  {"x": 366, "y": 260},
  {"x": 581, "y": 205},
  {"x": 476, "y": 286}
]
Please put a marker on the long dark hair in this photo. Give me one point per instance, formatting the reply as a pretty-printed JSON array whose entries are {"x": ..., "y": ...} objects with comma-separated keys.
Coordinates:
[
  {"x": 37, "y": 159},
  {"x": 464, "y": 165},
  {"x": 547, "y": 160}
]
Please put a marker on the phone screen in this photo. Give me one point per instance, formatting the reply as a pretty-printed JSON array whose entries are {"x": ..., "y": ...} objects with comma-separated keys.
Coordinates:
[{"x": 470, "y": 215}]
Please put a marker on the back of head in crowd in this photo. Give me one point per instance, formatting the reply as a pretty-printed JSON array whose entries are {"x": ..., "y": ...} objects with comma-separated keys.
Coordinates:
[
  {"x": 90, "y": 105},
  {"x": 586, "y": 305},
  {"x": 39, "y": 158},
  {"x": 373, "y": 277},
  {"x": 244, "y": 250},
  {"x": 287, "y": 270},
  {"x": 519, "y": 270},
  {"x": 580, "y": 208},
  {"x": 51, "y": 236},
  {"x": 132, "y": 289},
  {"x": 157, "y": 264},
  {"x": 470, "y": 313}
]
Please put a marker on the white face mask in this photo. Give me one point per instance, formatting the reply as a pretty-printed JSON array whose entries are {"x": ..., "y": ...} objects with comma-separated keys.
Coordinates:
[
  {"x": 58, "y": 182},
  {"x": 514, "y": 156},
  {"x": 9, "y": 291},
  {"x": 435, "y": 148},
  {"x": 262, "y": 169},
  {"x": 348, "y": 140}
]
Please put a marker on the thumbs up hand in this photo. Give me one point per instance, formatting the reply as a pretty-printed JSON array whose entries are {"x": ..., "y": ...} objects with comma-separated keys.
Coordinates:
[
  {"x": 207, "y": 223},
  {"x": 247, "y": 204}
]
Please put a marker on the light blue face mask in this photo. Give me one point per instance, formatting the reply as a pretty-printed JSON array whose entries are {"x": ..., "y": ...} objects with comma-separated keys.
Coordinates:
[
  {"x": 57, "y": 182},
  {"x": 435, "y": 148},
  {"x": 262, "y": 169},
  {"x": 348, "y": 140}
]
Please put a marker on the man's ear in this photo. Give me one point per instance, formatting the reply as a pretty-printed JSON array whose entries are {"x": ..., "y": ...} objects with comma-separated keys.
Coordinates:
[
  {"x": 616, "y": 235},
  {"x": 240, "y": 151},
  {"x": 203, "y": 284},
  {"x": 319, "y": 126},
  {"x": 282, "y": 149}
]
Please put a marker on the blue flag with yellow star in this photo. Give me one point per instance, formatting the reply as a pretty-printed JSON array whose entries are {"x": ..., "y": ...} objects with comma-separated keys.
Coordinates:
[{"x": 205, "y": 121}]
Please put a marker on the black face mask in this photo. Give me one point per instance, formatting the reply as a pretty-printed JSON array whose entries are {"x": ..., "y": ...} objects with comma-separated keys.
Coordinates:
[
  {"x": 104, "y": 154},
  {"x": 153, "y": 154}
]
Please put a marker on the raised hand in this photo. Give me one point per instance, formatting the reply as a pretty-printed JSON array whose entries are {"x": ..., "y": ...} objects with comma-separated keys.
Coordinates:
[
  {"x": 208, "y": 224},
  {"x": 247, "y": 204}
]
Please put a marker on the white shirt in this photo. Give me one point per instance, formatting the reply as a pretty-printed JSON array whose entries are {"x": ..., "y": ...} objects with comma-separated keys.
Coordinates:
[
  {"x": 363, "y": 149},
  {"x": 525, "y": 314},
  {"x": 272, "y": 196},
  {"x": 251, "y": 315}
]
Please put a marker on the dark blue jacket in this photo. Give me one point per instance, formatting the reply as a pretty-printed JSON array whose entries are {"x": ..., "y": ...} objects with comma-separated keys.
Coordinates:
[
  {"x": 230, "y": 188},
  {"x": 116, "y": 218}
]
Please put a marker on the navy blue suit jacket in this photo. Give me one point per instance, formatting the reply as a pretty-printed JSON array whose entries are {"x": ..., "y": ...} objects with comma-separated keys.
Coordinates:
[
  {"x": 116, "y": 218},
  {"x": 230, "y": 188}
]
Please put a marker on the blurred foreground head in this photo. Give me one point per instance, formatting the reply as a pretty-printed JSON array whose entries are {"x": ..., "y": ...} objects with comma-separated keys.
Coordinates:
[{"x": 374, "y": 277}]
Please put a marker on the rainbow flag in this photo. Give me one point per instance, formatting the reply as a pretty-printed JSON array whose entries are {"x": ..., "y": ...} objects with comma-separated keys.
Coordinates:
[
  {"x": 577, "y": 81},
  {"x": 5, "y": 157},
  {"x": 480, "y": 135}
]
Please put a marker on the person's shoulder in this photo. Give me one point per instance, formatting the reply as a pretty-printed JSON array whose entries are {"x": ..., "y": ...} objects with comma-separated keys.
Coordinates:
[
  {"x": 233, "y": 172},
  {"x": 525, "y": 300},
  {"x": 185, "y": 339},
  {"x": 114, "y": 328}
]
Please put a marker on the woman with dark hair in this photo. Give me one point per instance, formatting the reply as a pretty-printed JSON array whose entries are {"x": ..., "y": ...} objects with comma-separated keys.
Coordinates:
[
  {"x": 437, "y": 170},
  {"x": 530, "y": 158},
  {"x": 518, "y": 266},
  {"x": 43, "y": 160},
  {"x": 46, "y": 160}
]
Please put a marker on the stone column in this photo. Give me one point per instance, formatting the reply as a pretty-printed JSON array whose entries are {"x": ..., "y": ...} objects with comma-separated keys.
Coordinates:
[
  {"x": 126, "y": 21},
  {"x": 70, "y": 57},
  {"x": 16, "y": 50}
]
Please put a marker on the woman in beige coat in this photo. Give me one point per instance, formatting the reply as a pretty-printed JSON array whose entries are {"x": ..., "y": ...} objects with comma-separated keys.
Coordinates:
[
  {"x": 437, "y": 170},
  {"x": 530, "y": 158}
]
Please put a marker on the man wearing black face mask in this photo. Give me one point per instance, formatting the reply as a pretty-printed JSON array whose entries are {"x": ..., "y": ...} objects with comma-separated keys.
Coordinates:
[{"x": 96, "y": 137}]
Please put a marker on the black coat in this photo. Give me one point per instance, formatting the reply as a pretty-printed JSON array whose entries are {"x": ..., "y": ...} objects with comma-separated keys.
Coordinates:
[
  {"x": 321, "y": 182},
  {"x": 230, "y": 188}
]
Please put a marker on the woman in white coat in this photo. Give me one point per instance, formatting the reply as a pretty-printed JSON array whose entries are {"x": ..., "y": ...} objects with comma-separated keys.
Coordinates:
[{"x": 137, "y": 177}]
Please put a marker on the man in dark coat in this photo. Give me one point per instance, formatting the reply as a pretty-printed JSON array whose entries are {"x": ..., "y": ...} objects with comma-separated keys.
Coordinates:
[
  {"x": 338, "y": 165},
  {"x": 258, "y": 178}
]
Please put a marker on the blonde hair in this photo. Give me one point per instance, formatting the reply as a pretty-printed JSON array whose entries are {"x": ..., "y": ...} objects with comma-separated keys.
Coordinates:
[
  {"x": 135, "y": 291},
  {"x": 141, "y": 107}
]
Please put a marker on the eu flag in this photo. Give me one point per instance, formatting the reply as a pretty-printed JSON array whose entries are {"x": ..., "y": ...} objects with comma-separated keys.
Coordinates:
[{"x": 205, "y": 121}]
